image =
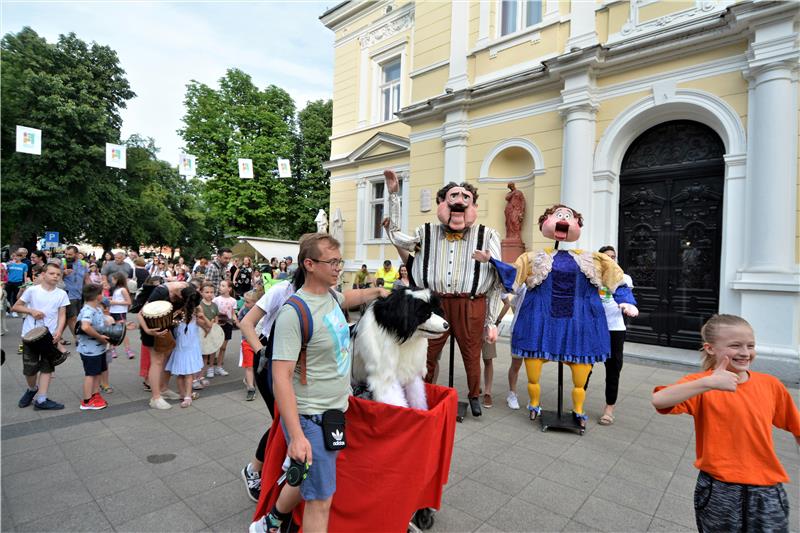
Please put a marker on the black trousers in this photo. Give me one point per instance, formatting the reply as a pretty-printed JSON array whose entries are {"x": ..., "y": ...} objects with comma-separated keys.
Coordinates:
[
  {"x": 613, "y": 367},
  {"x": 264, "y": 384}
]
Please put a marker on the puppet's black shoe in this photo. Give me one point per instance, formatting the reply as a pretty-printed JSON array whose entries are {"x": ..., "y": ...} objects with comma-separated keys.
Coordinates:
[{"x": 475, "y": 405}]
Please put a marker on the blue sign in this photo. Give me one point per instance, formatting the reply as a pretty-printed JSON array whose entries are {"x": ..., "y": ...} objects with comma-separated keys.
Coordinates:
[{"x": 51, "y": 239}]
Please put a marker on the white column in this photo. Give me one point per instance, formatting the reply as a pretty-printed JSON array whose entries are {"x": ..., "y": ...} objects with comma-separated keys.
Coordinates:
[
  {"x": 459, "y": 32},
  {"x": 603, "y": 227},
  {"x": 363, "y": 87},
  {"x": 455, "y": 138},
  {"x": 582, "y": 33},
  {"x": 361, "y": 218},
  {"x": 578, "y": 109},
  {"x": 733, "y": 234},
  {"x": 483, "y": 23}
]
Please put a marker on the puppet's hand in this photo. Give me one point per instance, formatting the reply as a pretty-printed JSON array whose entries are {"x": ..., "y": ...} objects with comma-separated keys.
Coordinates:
[
  {"x": 386, "y": 223},
  {"x": 391, "y": 181},
  {"x": 629, "y": 310},
  {"x": 482, "y": 256},
  {"x": 491, "y": 334}
]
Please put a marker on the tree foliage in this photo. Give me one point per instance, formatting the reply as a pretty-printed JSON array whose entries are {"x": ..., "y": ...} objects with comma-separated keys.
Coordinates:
[{"x": 239, "y": 120}]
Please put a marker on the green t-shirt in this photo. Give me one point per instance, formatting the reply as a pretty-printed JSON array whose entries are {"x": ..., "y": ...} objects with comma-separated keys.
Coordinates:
[
  {"x": 327, "y": 356},
  {"x": 210, "y": 310}
]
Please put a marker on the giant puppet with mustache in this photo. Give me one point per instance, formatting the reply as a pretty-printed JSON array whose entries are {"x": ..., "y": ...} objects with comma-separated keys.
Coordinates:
[
  {"x": 469, "y": 290},
  {"x": 561, "y": 317}
]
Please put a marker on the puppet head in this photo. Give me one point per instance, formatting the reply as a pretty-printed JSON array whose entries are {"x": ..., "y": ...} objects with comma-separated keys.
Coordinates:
[
  {"x": 457, "y": 206},
  {"x": 561, "y": 223}
]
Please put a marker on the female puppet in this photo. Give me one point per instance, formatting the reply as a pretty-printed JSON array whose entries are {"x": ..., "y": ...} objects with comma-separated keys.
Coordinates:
[{"x": 561, "y": 317}]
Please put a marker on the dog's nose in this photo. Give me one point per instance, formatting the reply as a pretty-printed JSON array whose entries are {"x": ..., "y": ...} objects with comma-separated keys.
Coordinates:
[{"x": 445, "y": 325}]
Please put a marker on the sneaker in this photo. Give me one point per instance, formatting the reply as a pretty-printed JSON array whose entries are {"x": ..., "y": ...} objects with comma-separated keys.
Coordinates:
[
  {"x": 197, "y": 385},
  {"x": 48, "y": 404},
  {"x": 170, "y": 394},
  {"x": 512, "y": 401},
  {"x": 251, "y": 395},
  {"x": 131, "y": 355},
  {"x": 259, "y": 526},
  {"x": 210, "y": 372},
  {"x": 220, "y": 371},
  {"x": 159, "y": 403},
  {"x": 27, "y": 398},
  {"x": 95, "y": 403},
  {"x": 114, "y": 354},
  {"x": 99, "y": 401},
  {"x": 252, "y": 482},
  {"x": 14, "y": 314},
  {"x": 487, "y": 401}
]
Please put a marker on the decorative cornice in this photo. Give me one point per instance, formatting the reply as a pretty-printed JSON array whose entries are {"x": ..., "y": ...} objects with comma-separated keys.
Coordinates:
[
  {"x": 633, "y": 27},
  {"x": 387, "y": 30}
]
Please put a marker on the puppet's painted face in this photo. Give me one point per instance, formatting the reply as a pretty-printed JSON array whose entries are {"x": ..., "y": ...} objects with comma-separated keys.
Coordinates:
[
  {"x": 458, "y": 210},
  {"x": 562, "y": 226}
]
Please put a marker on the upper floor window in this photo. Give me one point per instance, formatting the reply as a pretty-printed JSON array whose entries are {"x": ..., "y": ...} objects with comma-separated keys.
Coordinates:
[
  {"x": 390, "y": 89},
  {"x": 516, "y": 15}
]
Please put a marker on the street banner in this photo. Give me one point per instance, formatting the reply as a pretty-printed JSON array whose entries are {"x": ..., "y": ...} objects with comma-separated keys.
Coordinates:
[
  {"x": 284, "y": 169},
  {"x": 187, "y": 165},
  {"x": 29, "y": 140},
  {"x": 116, "y": 155},
  {"x": 246, "y": 168}
]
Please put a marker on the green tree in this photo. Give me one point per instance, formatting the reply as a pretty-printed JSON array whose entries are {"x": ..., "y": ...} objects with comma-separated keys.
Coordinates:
[
  {"x": 240, "y": 121},
  {"x": 312, "y": 186},
  {"x": 73, "y": 92}
]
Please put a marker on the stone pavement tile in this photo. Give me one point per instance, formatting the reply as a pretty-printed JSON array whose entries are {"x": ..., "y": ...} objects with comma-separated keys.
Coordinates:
[
  {"x": 629, "y": 494},
  {"x": 132, "y": 420},
  {"x": 107, "y": 483},
  {"x": 221, "y": 410},
  {"x": 236, "y": 523},
  {"x": 26, "y": 507},
  {"x": 203, "y": 433},
  {"x": 475, "y": 499},
  {"x": 227, "y": 445},
  {"x": 35, "y": 479},
  {"x": 508, "y": 431},
  {"x": 23, "y": 462},
  {"x": 682, "y": 485},
  {"x": 658, "y": 458},
  {"x": 600, "y": 441},
  {"x": 451, "y": 519},
  {"x": 523, "y": 459},
  {"x": 186, "y": 457},
  {"x": 175, "y": 517},
  {"x": 677, "y": 509},
  {"x": 552, "y": 443},
  {"x": 485, "y": 528},
  {"x": 83, "y": 517},
  {"x": 95, "y": 462},
  {"x": 504, "y": 478},
  {"x": 591, "y": 458},
  {"x": 188, "y": 419},
  {"x": 465, "y": 461},
  {"x": 649, "y": 476},
  {"x": 164, "y": 442},
  {"x": 453, "y": 478},
  {"x": 686, "y": 466},
  {"x": 518, "y": 515},
  {"x": 672, "y": 426},
  {"x": 247, "y": 421},
  {"x": 221, "y": 502},
  {"x": 602, "y": 515},
  {"x": 626, "y": 420},
  {"x": 91, "y": 428},
  {"x": 198, "y": 479},
  {"x": 482, "y": 444},
  {"x": 6, "y": 521},
  {"x": 553, "y": 496},
  {"x": 106, "y": 440},
  {"x": 235, "y": 462},
  {"x": 137, "y": 501},
  {"x": 27, "y": 443},
  {"x": 469, "y": 427},
  {"x": 669, "y": 527},
  {"x": 574, "y": 526},
  {"x": 573, "y": 475}
]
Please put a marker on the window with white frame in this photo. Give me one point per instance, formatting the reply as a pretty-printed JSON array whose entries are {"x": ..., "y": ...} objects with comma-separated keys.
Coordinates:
[
  {"x": 389, "y": 95},
  {"x": 379, "y": 207},
  {"x": 516, "y": 15}
]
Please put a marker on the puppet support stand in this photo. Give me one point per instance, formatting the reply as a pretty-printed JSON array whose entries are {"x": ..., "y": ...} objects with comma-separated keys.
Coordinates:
[{"x": 462, "y": 406}]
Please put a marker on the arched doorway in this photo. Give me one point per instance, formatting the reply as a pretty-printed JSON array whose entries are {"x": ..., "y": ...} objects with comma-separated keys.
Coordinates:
[{"x": 670, "y": 230}]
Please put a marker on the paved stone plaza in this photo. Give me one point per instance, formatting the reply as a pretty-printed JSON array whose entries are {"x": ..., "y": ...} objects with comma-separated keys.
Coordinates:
[{"x": 113, "y": 470}]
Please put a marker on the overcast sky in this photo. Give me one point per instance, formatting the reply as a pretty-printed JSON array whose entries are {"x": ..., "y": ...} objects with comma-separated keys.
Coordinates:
[{"x": 163, "y": 45}]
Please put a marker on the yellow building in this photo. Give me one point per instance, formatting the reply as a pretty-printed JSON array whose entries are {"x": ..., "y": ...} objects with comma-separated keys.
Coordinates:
[{"x": 671, "y": 125}]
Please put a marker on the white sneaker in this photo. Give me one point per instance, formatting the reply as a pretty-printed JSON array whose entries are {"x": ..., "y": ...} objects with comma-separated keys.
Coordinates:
[
  {"x": 512, "y": 401},
  {"x": 14, "y": 315},
  {"x": 220, "y": 371},
  {"x": 159, "y": 403},
  {"x": 259, "y": 526},
  {"x": 210, "y": 372},
  {"x": 170, "y": 394}
]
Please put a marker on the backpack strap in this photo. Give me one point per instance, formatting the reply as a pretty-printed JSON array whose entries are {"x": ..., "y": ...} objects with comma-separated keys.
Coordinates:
[
  {"x": 427, "y": 256},
  {"x": 476, "y": 274},
  {"x": 306, "y": 331}
]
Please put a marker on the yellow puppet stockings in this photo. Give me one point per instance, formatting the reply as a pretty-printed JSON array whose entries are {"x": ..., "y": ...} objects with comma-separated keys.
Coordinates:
[{"x": 580, "y": 373}]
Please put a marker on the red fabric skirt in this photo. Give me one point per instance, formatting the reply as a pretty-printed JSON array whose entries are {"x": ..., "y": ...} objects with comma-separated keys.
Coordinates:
[{"x": 397, "y": 461}]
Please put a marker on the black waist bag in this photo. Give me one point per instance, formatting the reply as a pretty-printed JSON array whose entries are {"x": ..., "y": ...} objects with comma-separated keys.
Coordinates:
[{"x": 333, "y": 430}]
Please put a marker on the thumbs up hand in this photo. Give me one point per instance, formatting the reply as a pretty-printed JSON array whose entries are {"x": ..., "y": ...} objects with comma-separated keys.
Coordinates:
[{"x": 723, "y": 379}]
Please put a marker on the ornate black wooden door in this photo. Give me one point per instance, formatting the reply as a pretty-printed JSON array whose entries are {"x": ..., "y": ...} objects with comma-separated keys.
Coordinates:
[{"x": 670, "y": 230}]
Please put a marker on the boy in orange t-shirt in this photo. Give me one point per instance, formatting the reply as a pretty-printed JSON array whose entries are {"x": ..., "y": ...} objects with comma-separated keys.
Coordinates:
[{"x": 740, "y": 484}]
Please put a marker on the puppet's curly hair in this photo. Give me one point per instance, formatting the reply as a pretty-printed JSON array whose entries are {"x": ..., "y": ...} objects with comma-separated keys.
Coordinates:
[
  {"x": 552, "y": 209},
  {"x": 442, "y": 193}
]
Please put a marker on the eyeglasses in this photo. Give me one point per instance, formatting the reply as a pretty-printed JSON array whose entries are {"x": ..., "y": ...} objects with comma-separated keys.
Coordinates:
[{"x": 333, "y": 263}]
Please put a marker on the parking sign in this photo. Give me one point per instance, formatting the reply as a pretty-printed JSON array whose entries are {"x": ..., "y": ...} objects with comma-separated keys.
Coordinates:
[{"x": 51, "y": 239}]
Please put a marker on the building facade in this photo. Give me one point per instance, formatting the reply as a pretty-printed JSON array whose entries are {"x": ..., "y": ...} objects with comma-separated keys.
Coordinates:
[{"x": 672, "y": 126}]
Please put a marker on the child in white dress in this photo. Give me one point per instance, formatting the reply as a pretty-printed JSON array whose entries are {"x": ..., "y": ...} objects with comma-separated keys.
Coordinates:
[{"x": 187, "y": 359}]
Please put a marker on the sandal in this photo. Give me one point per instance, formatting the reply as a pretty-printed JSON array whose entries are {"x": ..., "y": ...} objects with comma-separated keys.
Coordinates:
[
  {"x": 195, "y": 395},
  {"x": 606, "y": 420},
  {"x": 108, "y": 389},
  {"x": 534, "y": 412},
  {"x": 580, "y": 419},
  {"x": 186, "y": 402}
]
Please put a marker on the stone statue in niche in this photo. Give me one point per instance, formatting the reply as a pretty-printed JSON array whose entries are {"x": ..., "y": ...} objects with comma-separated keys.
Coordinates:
[
  {"x": 512, "y": 246},
  {"x": 322, "y": 221}
]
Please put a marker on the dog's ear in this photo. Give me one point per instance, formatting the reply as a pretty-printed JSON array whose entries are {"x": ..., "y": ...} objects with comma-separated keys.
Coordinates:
[{"x": 396, "y": 314}]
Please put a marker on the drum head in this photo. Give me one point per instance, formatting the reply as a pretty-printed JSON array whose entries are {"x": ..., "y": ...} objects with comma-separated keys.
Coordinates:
[
  {"x": 116, "y": 333},
  {"x": 155, "y": 309},
  {"x": 213, "y": 340},
  {"x": 59, "y": 357},
  {"x": 35, "y": 334}
]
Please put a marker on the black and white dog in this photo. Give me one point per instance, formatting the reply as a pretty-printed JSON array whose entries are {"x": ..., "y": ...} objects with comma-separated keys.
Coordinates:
[{"x": 390, "y": 345}]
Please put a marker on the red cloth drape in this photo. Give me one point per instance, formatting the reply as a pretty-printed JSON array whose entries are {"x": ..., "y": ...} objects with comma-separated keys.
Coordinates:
[{"x": 397, "y": 460}]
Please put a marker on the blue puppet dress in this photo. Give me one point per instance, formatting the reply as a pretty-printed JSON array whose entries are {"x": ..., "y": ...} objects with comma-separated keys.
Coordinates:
[{"x": 561, "y": 316}]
